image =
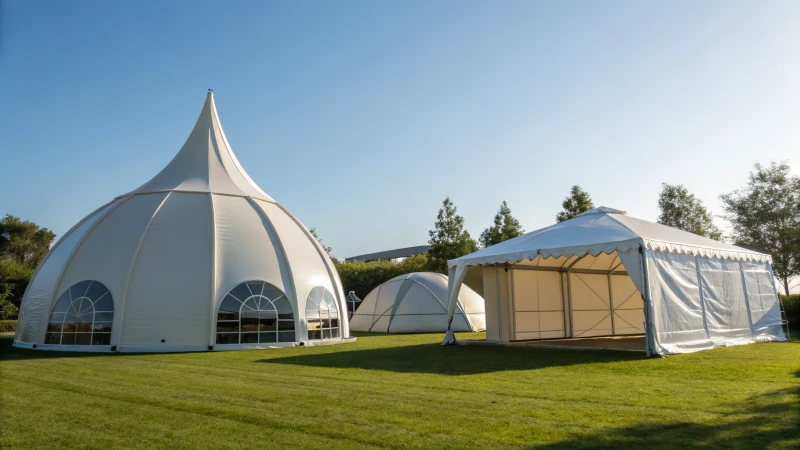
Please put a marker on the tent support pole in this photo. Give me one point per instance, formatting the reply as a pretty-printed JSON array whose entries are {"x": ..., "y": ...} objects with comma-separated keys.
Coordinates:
[
  {"x": 563, "y": 301},
  {"x": 499, "y": 309},
  {"x": 611, "y": 305},
  {"x": 648, "y": 329},
  {"x": 513, "y": 311},
  {"x": 569, "y": 294},
  {"x": 702, "y": 297},
  {"x": 746, "y": 297}
]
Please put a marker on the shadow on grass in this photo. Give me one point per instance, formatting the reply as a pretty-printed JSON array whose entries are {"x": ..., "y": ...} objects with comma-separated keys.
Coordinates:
[
  {"x": 9, "y": 353},
  {"x": 454, "y": 360},
  {"x": 771, "y": 420}
]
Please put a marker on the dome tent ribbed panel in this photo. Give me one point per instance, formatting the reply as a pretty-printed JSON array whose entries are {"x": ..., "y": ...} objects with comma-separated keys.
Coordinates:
[
  {"x": 172, "y": 276},
  {"x": 100, "y": 255},
  {"x": 245, "y": 249},
  {"x": 41, "y": 289},
  {"x": 170, "y": 251},
  {"x": 300, "y": 251},
  {"x": 326, "y": 259}
]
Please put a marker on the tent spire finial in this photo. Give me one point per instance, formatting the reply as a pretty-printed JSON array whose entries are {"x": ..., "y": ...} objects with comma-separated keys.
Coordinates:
[{"x": 210, "y": 90}]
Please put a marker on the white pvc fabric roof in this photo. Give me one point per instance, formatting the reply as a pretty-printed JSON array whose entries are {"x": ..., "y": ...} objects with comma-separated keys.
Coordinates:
[
  {"x": 603, "y": 230},
  {"x": 170, "y": 251}
]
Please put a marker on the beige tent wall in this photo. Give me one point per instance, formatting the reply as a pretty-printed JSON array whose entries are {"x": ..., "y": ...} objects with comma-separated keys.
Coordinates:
[
  {"x": 538, "y": 305},
  {"x": 628, "y": 306},
  {"x": 490, "y": 302},
  {"x": 591, "y": 310},
  {"x": 498, "y": 304},
  {"x": 561, "y": 298}
]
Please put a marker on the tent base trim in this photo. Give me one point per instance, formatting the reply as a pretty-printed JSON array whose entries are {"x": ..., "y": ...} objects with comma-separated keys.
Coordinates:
[{"x": 176, "y": 348}]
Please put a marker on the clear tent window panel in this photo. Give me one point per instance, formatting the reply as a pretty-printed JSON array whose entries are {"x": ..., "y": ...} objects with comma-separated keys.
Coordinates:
[
  {"x": 322, "y": 315},
  {"x": 83, "y": 315},
  {"x": 255, "y": 312}
]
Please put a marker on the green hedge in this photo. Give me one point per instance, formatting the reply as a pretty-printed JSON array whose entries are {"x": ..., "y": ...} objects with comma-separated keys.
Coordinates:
[
  {"x": 362, "y": 277},
  {"x": 8, "y": 325},
  {"x": 791, "y": 304}
]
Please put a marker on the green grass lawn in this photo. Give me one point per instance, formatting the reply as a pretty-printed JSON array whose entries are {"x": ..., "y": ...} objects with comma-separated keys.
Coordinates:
[{"x": 402, "y": 392}]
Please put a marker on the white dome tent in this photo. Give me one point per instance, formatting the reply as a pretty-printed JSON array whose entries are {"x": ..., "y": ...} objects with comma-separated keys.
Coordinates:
[
  {"x": 417, "y": 303},
  {"x": 197, "y": 258},
  {"x": 794, "y": 286},
  {"x": 604, "y": 273}
]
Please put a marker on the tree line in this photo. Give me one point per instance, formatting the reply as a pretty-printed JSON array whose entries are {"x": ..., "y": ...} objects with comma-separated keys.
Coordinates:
[
  {"x": 764, "y": 216},
  {"x": 23, "y": 245}
]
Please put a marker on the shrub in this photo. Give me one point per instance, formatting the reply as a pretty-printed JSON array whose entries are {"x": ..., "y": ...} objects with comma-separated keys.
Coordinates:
[
  {"x": 14, "y": 279},
  {"x": 8, "y": 325},
  {"x": 791, "y": 304},
  {"x": 362, "y": 277}
]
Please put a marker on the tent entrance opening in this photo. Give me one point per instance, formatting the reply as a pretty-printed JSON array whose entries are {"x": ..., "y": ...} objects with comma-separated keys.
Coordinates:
[{"x": 559, "y": 304}]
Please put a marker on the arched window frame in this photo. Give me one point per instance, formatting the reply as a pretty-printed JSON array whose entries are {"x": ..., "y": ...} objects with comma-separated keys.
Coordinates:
[
  {"x": 83, "y": 315},
  {"x": 265, "y": 305},
  {"x": 323, "y": 317}
]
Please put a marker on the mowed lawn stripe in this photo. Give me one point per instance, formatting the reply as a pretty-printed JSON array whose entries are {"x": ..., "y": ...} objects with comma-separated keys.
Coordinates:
[{"x": 393, "y": 391}]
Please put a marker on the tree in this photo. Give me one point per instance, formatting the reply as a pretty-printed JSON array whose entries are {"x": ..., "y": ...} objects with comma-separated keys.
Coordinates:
[
  {"x": 14, "y": 278},
  {"x": 23, "y": 242},
  {"x": 327, "y": 249},
  {"x": 765, "y": 216},
  {"x": 578, "y": 202},
  {"x": 505, "y": 227},
  {"x": 682, "y": 210},
  {"x": 449, "y": 239}
]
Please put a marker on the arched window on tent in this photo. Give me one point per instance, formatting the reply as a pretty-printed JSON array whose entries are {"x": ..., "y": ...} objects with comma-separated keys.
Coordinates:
[
  {"x": 255, "y": 312},
  {"x": 82, "y": 316},
  {"x": 322, "y": 315}
]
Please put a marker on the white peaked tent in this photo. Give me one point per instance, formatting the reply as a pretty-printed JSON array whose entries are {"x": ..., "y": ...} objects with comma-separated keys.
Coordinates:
[
  {"x": 198, "y": 258},
  {"x": 417, "y": 303},
  {"x": 604, "y": 273}
]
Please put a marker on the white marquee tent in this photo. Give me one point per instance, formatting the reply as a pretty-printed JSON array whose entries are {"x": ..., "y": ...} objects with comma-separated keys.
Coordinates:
[
  {"x": 417, "y": 303},
  {"x": 605, "y": 273},
  {"x": 198, "y": 258}
]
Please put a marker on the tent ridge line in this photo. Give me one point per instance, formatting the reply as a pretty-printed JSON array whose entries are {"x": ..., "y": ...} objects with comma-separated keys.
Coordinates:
[
  {"x": 126, "y": 289},
  {"x": 269, "y": 227},
  {"x": 214, "y": 251},
  {"x": 239, "y": 168},
  {"x": 326, "y": 261},
  {"x": 75, "y": 250},
  {"x": 21, "y": 318},
  {"x": 458, "y": 302},
  {"x": 188, "y": 191}
]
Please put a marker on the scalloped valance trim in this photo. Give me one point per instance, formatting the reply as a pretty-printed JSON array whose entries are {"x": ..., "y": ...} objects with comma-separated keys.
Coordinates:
[{"x": 671, "y": 247}]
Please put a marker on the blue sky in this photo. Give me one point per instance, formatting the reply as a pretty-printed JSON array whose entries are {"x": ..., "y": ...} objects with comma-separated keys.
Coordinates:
[{"x": 360, "y": 117}]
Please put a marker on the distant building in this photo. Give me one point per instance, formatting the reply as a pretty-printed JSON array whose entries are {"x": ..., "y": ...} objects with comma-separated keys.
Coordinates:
[{"x": 395, "y": 256}]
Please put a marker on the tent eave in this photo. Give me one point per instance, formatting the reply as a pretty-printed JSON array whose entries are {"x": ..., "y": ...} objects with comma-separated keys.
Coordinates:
[{"x": 608, "y": 248}]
